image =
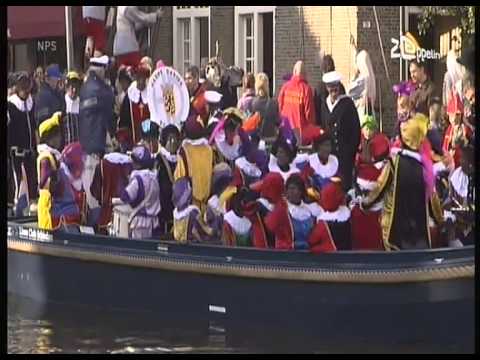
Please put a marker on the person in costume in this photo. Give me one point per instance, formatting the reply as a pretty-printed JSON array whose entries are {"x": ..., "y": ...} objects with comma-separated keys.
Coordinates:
[
  {"x": 165, "y": 164},
  {"x": 284, "y": 152},
  {"x": 126, "y": 48},
  {"x": 198, "y": 103},
  {"x": 335, "y": 213},
  {"x": 276, "y": 221},
  {"x": 405, "y": 105},
  {"x": 124, "y": 80},
  {"x": 94, "y": 21},
  {"x": 340, "y": 118},
  {"x": 300, "y": 215},
  {"x": 213, "y": 99},
  {"x": 219, "y": 202},
  {"x": 21, "y": 141},
  {"x": 110, "y": 179},
  {"x": 135, "y": 109},
  {"x": 72, "y": 108},
  {"x": 323, "y": 163},
  {"x": 406, "y": 186},
  {"x": 48, "y": 162},
  {"x": 68, "y": 198},
  {"x": 196, "y": 161},
  {"x": 225, "y": 138},
  {"x": 188, "y": 225},
  {"x": 237, "y": 228},
  {"x": 248, "y": 167},
  {"x": 462, "y": 197},
  {"x": 366, "y": 229},
  {"x": 295, "y": 101},
  {"x": 142, "y": 194},
  {"x": 458, "y": 134},
  {"x": 150, "y": 136}
]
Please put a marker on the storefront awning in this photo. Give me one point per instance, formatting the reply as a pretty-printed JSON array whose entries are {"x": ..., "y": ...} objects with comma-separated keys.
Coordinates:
[{"x": 31, "y": 22}]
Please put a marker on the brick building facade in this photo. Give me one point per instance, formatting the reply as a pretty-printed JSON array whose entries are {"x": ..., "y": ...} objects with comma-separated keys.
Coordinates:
[
  {"x": 297, "y": 32},
  {"x": 266, "y": 38}
]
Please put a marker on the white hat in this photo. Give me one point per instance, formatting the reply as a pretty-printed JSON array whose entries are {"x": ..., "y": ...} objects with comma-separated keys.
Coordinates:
[
  {"x": 331, "y": 77},
  {"x": 213, "y": 97},
  {"x": 99, "y": 61}
]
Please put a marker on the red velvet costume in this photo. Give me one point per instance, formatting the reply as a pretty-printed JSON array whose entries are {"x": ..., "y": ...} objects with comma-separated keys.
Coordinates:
[
  {"x": 366, "y": 229},
  {"x": 111, "y": 178},
  {"x": 277, "y": 221},
  {"x": 198, "y": 104}
]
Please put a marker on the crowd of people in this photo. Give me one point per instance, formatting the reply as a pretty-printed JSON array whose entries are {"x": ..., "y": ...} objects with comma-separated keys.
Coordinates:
[{"x": 306, "y": 169}]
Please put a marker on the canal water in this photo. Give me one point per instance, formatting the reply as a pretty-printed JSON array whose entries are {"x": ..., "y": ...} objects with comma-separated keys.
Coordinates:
[{"x": 36, "y": 329}]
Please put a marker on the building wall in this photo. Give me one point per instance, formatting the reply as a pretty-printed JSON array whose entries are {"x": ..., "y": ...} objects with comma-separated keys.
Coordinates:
[
  {"x": 162, "y": 37},
  {"x": 389, "y": 24},
  {"x": 327, "y": 30},
  {"x": 222, "y": 29}
]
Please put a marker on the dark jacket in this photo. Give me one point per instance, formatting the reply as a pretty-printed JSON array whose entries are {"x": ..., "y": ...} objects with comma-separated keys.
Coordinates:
[
  {"x": 422, "y": 95},
  {"x": 47, "y": 102},
  {"x": 96, "y": 115},
  {"x": 344, "y": 126}
]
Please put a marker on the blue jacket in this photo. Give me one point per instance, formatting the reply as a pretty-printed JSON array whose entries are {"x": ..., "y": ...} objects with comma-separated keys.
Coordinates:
[
  {"x": 47, "y": 102},
  {"x": 96, "y": 115}
]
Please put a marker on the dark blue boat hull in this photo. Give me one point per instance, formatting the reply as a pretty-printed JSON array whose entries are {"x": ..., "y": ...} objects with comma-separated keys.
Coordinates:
[{"x": 426, "y": 307}]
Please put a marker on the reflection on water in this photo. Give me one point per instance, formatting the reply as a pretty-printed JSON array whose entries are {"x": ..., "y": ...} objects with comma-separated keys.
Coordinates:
[{"x": 64, "y": 329}]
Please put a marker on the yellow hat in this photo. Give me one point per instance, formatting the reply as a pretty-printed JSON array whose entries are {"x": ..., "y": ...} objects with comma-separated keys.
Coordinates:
[
  {"x": 73, "y": 75},
  {"x": 235, "y": 112},
  {"x": 414, "y": 130},
  {"x": 50, "y": 124}
]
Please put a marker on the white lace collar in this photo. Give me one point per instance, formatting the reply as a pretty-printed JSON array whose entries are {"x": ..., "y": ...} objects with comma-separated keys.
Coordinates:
[
  {"x": 45, "y": 148},
  {"x": 22, "y": 105},
  {"x": 315, "y": 209},
  {"x": 214, "y": 204},
  {"x": 72, "y": 106},
  {"x": 459, "y": 181},
  {"x": 266, "y": 203},
  {"x": 144, "y": 173},
  {"x": 76, "y": 183},
  {"x": 273, "y": 167},
  {"x": 342, "y": 214},
  {"x": 248, "y": 168},
  {"x": 182, "y": 214},
  {"x": 134, "y": 94},
  {"x": 325, "y": 171},
  {"x": 196, "y": 142},
  {"x": 240, "y": 225},
  {"x": 231, "y": 152},
  {"x": 117, "y": 158},
  {"x": 406, "y": 152},
  {"x": 332, "y": 106},
  {"x": 167, "y": 155},
  {"x": 299, "y": 212}
]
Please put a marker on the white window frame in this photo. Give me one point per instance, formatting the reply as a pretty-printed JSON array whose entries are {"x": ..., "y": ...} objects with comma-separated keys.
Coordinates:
[
  {"x": 193, "y": 14},
  {"x": 240, "y": 41}
]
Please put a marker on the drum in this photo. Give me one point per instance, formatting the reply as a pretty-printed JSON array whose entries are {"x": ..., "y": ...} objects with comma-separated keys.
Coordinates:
[
  {"x": 168, "y": 98},
  {"x": 120, "y": 226}
]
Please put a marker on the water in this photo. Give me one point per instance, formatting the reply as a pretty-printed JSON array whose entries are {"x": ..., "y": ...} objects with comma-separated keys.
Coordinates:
[{"x": 35, "y": 329}]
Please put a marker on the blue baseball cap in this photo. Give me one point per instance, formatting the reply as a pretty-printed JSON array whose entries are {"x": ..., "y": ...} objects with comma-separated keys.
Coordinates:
[{"x": 53, "y": 71}]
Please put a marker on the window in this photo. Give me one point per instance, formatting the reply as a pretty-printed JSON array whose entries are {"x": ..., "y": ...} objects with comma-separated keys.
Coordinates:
[
  {"x": 186, "y": 43},
  {"x": 249, "y": 38},
  {"x": 191, "y": 36},
  {"x": 255, "y": 40}
]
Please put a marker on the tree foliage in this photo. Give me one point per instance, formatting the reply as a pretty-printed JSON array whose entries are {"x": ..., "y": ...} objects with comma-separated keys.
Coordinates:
[{"x": 465, "y": 15}]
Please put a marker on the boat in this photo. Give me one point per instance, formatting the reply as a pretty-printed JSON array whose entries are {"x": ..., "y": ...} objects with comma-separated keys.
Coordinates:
[{"x": 418, "y": 290}]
